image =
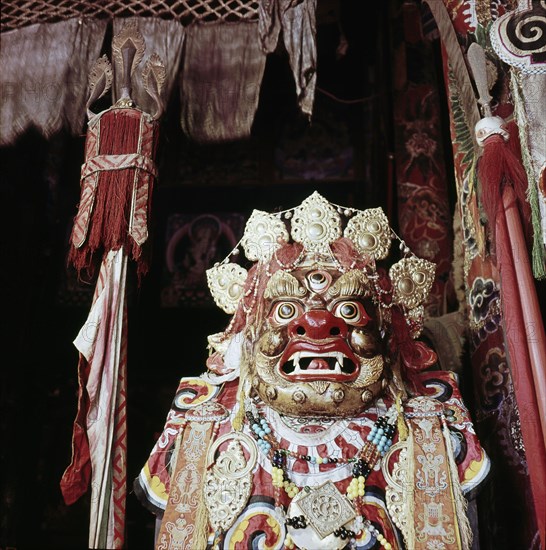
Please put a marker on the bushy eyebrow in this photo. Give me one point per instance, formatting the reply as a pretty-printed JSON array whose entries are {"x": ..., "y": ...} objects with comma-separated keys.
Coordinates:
[
  {"x": 285, "y": 285},
  {"x": 352, "y": 283}
]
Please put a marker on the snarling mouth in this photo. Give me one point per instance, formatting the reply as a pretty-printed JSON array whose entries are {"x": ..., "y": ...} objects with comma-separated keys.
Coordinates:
[{"x": 312, "y": 365}]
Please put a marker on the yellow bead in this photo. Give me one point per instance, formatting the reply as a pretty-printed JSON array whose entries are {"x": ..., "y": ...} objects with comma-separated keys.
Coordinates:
[
  {"x": 388, "y": 546},
  {"x": 380, "y": 537}
]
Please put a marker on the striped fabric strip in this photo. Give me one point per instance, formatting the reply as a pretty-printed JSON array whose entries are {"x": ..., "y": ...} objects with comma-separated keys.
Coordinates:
[
  {"x": 102, "y": 163},
  {"x": 89, "y": 187},
  {"x": 119, "y": 472},
  {"x": 102, "y": 342},
  {"x": 138, "y": 222}
]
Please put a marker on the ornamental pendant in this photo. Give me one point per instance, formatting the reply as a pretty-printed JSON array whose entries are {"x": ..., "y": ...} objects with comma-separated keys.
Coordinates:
[{"x": 325, "y": 510}]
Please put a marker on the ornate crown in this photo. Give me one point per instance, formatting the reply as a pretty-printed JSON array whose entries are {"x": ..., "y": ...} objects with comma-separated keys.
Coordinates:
[{"x": 316, "y": 224}]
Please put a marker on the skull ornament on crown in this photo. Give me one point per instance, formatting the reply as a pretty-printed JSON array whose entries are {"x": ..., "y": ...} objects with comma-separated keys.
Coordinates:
[{"x": 313, "y": 323}]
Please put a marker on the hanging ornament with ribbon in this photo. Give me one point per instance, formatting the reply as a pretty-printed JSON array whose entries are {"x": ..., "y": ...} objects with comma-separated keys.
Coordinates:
[
  {"x": 111, "y": 225},
  {"x": 119, "y": 170}
]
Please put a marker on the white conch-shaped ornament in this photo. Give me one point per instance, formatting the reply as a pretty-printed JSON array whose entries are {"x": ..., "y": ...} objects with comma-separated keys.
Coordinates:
[
  {"x": 370, "y": 233},
  {"x": 264, "y": 234},
  {"x": 412, "y": 280},
  {"x": 316, "y": 224},
  {"x": 489, "y": 126},
  {"x": 226, "y": 283}
]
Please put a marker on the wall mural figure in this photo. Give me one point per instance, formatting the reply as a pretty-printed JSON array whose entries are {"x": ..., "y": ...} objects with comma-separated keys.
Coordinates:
[{"x": 195, "y": 243}]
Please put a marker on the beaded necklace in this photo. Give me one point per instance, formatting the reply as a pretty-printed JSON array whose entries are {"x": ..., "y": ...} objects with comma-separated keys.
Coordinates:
[{"x": 377, "y": 443}]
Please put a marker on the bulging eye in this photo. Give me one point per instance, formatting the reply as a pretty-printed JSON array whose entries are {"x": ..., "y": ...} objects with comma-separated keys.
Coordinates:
[
  {"x": 352, "y": 312},
  {"x": 283, "y": 312}
]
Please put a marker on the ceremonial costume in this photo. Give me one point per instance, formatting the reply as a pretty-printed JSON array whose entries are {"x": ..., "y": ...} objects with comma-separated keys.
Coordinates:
[{"x": 319, "y": 423}]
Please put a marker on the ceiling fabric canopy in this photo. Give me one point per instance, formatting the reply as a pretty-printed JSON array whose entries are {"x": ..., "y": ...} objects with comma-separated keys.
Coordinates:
[
  {"x": 215, "y": 50},
  {"x": 44, "y": 76}
]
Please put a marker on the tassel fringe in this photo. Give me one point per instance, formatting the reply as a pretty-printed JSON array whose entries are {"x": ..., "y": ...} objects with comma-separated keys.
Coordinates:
[
  {"x": 461, "y": 504},
  {"x": 120, "y": 133},
  {"x": 243, "y": 389},
  {"x": 201, "y": 533},
  {"x": 538, "y": 252},
  {"x": 499, "y": 166}
]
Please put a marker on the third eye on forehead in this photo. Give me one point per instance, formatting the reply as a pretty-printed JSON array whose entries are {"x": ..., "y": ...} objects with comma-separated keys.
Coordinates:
[{"x": 318, "y": 281}]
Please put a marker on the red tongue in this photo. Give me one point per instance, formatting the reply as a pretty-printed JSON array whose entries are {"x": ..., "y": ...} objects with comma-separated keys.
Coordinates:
[{"x": 319, "y": 364}]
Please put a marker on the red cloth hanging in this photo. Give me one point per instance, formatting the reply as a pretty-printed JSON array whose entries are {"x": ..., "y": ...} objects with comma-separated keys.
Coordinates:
[
  {"x": 503, "y": 194},
  {"x": 111, "y": 225},
  {"x": 116, "y": 187}
]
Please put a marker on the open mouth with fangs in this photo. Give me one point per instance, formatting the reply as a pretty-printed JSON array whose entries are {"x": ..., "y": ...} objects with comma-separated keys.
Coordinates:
[{"x": 306, "y": 365}]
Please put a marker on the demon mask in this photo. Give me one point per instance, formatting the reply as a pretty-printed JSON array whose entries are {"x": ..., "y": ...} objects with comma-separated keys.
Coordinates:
[
  {"x": 312, "y": 314},
  {"x": 318, "y": 350}
]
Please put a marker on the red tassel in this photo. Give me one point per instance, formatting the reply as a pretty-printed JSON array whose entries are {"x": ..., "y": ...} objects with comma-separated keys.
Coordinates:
[
  {"x": 499, "y": 165},
  {"x": 120, "y": 133}
]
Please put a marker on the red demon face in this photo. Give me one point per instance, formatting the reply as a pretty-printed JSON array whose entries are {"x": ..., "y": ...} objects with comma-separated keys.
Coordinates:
[{"x": 318, "y": 350}]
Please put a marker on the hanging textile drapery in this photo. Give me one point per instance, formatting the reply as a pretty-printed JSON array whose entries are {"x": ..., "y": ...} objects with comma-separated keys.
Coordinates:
[
  {"x": 43, "y": 77},
  {"x": 47, "y": 50},
  {"x": 116, "y": 186},
  {"x": 502, "y": 414},
  {"x": 503, "y": 194},
  {"x": 422, "y": 182}
]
